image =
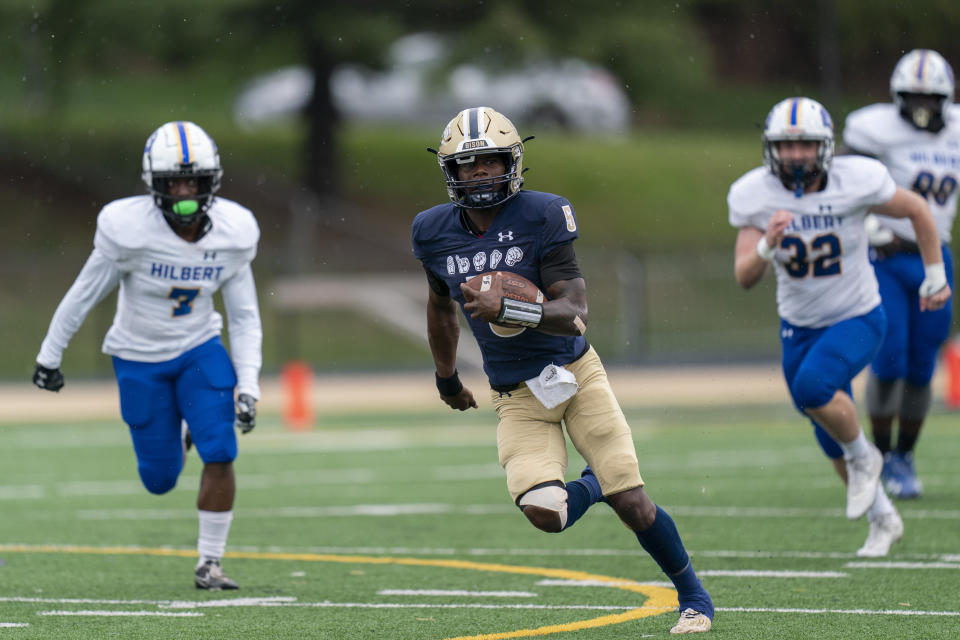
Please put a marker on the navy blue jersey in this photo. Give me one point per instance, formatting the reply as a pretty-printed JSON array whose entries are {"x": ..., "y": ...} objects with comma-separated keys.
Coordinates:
[{"x": 525, "y": 230}]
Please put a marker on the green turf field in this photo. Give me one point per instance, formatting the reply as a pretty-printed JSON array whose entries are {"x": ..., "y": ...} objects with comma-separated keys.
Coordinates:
[{"x": 399, "y": 526}]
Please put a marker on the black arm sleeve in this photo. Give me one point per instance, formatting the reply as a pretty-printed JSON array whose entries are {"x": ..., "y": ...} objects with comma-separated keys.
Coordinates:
[
  {"x": 559, "y": 264},
  {"x": 439, "y": 286}
]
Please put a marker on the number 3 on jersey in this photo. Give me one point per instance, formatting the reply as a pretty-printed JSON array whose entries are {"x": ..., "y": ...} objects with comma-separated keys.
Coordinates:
[
  {"x": 184, "y": 299},
  {"x": 826, "y": 263}
]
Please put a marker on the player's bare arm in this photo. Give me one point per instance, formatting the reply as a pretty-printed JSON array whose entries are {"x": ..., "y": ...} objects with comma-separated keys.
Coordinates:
[
  {"x": 934, "y": 291},
  {"x": 565, "y": 313},
  {"x": 749, "y": 263},
  {"x": 443, "y": 333}
]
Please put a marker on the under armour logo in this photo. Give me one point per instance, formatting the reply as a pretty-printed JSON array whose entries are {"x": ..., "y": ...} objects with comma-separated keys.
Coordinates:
[
  {"x": 501, "y": 236},
  {"x": 826, "y": 208},
  {"x": 209, "y": 255}
]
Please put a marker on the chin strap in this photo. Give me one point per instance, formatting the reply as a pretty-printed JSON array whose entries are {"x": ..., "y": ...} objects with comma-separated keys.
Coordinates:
[{"x": 798, "y": 181}]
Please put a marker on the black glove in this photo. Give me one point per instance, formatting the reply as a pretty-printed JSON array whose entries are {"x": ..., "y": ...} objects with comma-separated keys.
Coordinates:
[
  {"x": 246, "y": 413},
  {"x": 49, "y": 379}
]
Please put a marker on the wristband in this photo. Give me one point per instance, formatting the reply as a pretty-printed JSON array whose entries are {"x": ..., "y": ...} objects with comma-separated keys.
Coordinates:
[
  {"x": 764, "y": 250},
  {"x": 524, "y": 314},
  {"x": 935, "y": 280},
  {"x": 449, "y": 386}
]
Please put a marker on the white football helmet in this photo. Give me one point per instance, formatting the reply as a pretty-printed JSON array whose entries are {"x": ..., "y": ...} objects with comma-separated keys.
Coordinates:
[
  {"x": 798, "y": 119},
  {"x": 922, "y": 72},
  {"x": 474, "y": 132},
  {"x": 181, "y": 150}
]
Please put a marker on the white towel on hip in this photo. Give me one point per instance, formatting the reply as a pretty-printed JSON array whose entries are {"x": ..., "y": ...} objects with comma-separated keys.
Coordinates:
[{"x": 553, "y": 386}]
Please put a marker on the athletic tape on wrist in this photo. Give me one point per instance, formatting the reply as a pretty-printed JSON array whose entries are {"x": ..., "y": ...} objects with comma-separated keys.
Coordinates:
[
  {"x": 764, "y": 250},
  {"x": 524, "y": 314},
  {"x": 935, "y": 279}
]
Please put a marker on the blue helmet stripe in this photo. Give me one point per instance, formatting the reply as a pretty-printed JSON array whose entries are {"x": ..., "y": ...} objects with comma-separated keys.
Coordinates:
[
  {"x": 793, "y": 112},
  {"x": 184, "y": 144}
]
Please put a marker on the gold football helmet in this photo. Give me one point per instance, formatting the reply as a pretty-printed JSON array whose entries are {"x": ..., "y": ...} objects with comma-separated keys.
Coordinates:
[{"x": 474, "y": 132}]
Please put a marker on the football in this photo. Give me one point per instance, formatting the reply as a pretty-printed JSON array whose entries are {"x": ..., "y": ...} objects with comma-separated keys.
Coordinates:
[{"x": 514, "y": 286}]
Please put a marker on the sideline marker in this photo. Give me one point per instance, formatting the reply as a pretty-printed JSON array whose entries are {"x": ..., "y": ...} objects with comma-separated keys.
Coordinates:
[
  {"x": 951, "y": 361},
  {"x": 298, "y": 410}
]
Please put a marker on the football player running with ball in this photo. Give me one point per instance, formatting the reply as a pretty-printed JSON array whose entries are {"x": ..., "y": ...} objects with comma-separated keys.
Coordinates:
[
  {"x": 803, "y": 212},
  {"x": 917, "y": 137},
  {"x": 169, "y": 252},
  {"x": 542, "y": 371}
]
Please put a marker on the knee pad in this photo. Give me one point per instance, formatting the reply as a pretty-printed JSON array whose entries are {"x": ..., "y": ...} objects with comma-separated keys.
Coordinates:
[
  {"x": 916, "y": 401},
  {"x": 160, "y": 476},
  {"x": 810, "y": 390},
  {"x": 883, "y": 398},
  {"x": 549, "y": 503}
]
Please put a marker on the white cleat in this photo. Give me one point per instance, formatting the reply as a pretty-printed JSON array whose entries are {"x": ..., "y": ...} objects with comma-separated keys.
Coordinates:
[
  {"x": 863, "y": 478},
  {"x": 691, "y": 621},
  {"x": 884, "y": 531}
]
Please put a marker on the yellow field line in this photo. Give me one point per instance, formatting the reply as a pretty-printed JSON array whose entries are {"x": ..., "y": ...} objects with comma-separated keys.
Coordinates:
[{"x": 659, "y": 599}]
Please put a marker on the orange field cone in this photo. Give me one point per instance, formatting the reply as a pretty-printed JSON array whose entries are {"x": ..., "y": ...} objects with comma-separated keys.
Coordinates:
[
  {"x": 951, "y": 362},
  {"x": 298, "y": 410}
]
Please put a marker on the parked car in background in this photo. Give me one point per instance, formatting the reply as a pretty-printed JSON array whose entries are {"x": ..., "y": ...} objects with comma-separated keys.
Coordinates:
[{"x": 415, "y": 88}]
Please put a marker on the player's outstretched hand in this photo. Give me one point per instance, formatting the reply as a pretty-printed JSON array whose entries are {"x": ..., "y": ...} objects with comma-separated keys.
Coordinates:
[
  {"x": 462, "y": 401},
  {"x": 246, "y": 413},
  {"x": 49, "y": 379}
]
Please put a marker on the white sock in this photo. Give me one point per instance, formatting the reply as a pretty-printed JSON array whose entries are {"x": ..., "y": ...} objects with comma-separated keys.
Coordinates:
[
  {"x": 881, "y": 506},
  {"x": 214, "y": 527},
  {"x": 857, "y": 447}
]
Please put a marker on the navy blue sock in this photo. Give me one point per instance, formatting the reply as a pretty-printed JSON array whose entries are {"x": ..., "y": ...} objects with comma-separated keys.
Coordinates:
[
  {"x": 581, "y": 494},
  {"x": 662, "y": 541}
]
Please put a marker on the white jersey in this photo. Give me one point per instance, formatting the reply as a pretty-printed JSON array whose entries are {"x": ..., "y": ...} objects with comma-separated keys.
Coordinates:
[
  {"x": 928, "y": 163},
  {"x": 165, "y": 304},
  {"x": 823, "y": 270}
]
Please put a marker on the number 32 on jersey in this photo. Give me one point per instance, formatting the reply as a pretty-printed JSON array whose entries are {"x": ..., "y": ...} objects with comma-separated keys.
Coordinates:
[{"x": 821, "y": 257}]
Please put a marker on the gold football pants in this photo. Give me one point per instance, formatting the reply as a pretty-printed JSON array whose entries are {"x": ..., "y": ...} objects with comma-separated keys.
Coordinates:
[{"x": 530, "y": 439}]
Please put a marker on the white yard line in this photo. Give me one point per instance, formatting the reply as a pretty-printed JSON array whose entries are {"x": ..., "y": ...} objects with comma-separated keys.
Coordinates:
[
  {"x": 123, "y": 614},
  {"x": 390, "y": 510},
  {"x": 551, "y": 582},
  {"x": 456, "y": 593},
  {"x": 11, "y": 625},
  {"x": 865, "y": 612},
  {"x": 902, "y": 565},
  {"x": 919, "y": 560},
  {"x": 752, "y": 573},
  {"x": 286, "y": 602}
]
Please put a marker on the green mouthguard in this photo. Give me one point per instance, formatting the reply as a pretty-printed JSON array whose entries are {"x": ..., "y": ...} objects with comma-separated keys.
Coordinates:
[{"x": 185, "y": 207}]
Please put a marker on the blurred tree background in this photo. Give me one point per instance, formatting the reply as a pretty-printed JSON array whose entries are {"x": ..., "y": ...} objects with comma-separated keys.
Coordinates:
[{"x": 84, "y": 82}]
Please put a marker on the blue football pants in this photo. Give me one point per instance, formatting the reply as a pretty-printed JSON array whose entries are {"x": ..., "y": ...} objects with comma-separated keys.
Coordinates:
[
  {"x": 909, "y": 350},
  {"x": 819, "y": 362},
  {"x": 197, "y": 387}
]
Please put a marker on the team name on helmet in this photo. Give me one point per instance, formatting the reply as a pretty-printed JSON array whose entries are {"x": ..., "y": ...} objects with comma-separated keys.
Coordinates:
[
  {"x": 181, "y": 150},
  {"x": 473, "y": 133},
  {"x": 798, "y": 119}
]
